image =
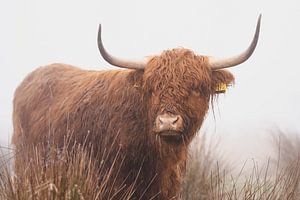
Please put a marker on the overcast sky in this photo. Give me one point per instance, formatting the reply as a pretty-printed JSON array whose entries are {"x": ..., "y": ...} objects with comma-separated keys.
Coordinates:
[{"x": 37, "y": 32}]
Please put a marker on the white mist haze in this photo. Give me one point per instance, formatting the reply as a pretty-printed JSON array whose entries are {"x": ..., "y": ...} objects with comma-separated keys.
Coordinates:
[{"x": 266, "y": 93}]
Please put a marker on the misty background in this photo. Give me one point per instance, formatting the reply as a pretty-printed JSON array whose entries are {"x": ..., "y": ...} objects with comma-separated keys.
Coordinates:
[{"x": 266, "y": 94}]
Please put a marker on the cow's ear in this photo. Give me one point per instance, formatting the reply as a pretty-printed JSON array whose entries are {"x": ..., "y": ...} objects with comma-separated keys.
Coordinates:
[{"x": 221, "y": 79}]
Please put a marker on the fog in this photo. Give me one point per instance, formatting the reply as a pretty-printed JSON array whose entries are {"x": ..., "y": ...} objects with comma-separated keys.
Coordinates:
[{"x": 266, "y": 93}]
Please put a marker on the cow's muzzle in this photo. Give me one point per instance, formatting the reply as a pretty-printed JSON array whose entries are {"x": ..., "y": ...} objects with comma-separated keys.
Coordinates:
[{"x": 167, "y": 124}]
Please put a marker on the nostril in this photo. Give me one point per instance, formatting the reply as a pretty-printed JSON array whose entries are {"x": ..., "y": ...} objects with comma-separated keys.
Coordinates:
[
  {"x": 175, "y": 120},
  {"x": 161, "y": 120}
]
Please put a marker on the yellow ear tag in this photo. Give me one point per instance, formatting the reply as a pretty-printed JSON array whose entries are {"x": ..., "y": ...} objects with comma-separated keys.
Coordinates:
[{"x": 221, "y": 88}]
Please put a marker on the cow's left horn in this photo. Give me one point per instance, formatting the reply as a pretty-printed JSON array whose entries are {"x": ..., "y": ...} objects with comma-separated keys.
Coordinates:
[
  {"x": 117, "y": 61},
  {"x": 220, "y": 63}
]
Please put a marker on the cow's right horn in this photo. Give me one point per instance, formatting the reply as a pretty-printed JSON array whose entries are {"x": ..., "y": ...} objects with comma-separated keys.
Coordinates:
[{"x": 117, "y": 61}]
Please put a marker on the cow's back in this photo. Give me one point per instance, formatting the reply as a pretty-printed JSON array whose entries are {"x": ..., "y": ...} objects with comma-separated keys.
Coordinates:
[{"x": 57, "y": 99}]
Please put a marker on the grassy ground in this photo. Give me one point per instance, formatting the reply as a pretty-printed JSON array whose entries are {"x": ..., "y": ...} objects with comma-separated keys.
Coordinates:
[
  {"x": 278, "y": 179},
  {"x": 72, "y": 175},
  {"x": 68, "y": 173}
]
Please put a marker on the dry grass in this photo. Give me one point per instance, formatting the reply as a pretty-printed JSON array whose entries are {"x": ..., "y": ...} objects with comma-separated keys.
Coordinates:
[
  {"x": 206, "y": 180},
  {"x": 287, "y": 146},
  {"x": 70, "y": 173},
  {"x": 67, "y": 173},
  {"x": 203, "y": 170}
]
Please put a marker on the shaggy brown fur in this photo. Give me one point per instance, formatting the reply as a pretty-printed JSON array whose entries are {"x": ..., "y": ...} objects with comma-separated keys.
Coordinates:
[{"x": 117, "y": 109}]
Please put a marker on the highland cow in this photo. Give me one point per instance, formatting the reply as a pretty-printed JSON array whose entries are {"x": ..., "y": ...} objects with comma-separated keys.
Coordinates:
[{"x": 148, "y": 114}]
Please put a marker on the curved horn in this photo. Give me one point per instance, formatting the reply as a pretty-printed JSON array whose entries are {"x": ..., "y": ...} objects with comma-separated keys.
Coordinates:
[
  {"x": 117, "y": 61},
  {"x": 220, "y": 63}
]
